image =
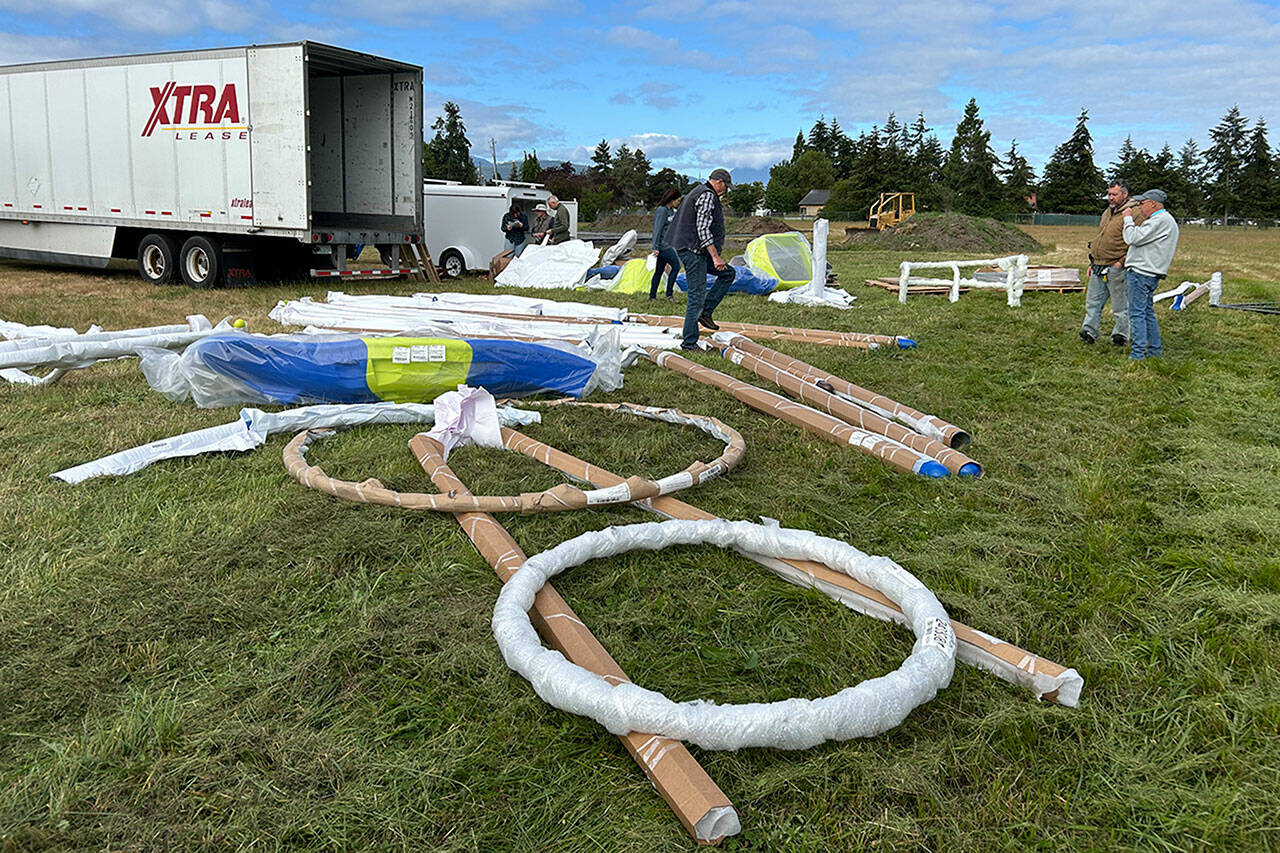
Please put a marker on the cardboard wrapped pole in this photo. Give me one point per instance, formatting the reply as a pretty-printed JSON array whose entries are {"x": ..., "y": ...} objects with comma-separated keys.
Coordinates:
[
  {"x": 895, "y": 455},
  {"x": 808, "y": 392},
  {"x": 948, "y": 434},
  {"x": 1048, "y": 680},
  {"x": 698, "y": 802},
  {"x": 861, "y": 340}
]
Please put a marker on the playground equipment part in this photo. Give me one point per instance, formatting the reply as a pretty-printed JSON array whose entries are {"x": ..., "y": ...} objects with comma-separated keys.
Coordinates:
[{"x": 1014, "y": 267}]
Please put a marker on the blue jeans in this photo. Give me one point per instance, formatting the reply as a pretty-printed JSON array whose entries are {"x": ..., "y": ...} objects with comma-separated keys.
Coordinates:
[
  {"x": 513, "y": 246},
  {"x": 1145, "y": 339},
  {"x": 696, "y": 265},
  {"x": 667, "y": 257},
  {"x": 1111, "y": 284}
]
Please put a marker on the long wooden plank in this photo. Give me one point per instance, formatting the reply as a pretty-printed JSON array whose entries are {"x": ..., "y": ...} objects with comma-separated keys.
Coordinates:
[{"x": 697, "y": 801}]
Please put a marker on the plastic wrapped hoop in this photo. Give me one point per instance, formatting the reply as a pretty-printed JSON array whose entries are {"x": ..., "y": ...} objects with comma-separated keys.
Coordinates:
[{"x": 864, "y": 710}]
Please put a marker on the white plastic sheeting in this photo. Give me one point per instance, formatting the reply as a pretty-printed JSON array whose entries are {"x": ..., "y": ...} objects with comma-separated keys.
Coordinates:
[
  {"x": 865, "y": 710},
  {"x": 254, "y": 427},
  {"x": 466, "y": 416},
  {"x": 61, "y": 349},
  {"x": 619, "y": 250},
  {"x": 816, "y": 292},
  {"x": 498, "y": 303},
  {"x": 395, "y": 315},
  {"x": 562, "y": 266}
]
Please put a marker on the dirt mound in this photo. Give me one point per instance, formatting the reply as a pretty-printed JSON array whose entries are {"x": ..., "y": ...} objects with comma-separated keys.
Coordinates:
[
  {"x": 757, "y": 225},
  {"x": 948, "y": 232}
]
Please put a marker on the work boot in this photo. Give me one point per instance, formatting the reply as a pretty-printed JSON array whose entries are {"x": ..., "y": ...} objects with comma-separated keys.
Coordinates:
[
  {"x": 1119, "y": 340},
  {"x": 706, "y": 320},
  {"x": 1087, "y": 338}
]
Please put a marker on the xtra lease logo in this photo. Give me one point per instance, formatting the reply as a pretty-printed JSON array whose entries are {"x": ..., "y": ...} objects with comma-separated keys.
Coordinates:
[{"x": 194, "y": 110}]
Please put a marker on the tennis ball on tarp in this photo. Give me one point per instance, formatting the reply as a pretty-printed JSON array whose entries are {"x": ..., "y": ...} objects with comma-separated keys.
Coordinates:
[{"x": 238, "y": 323}]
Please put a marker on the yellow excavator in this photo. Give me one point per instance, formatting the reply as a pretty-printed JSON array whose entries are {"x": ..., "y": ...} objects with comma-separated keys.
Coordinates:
[{"x": 891, "y": 209}]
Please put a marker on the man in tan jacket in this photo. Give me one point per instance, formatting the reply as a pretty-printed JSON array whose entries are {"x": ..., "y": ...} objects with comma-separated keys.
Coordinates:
[{"x": 1106, "y": 271}]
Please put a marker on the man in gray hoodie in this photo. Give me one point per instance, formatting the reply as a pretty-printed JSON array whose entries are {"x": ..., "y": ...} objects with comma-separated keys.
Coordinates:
[{"x": 1151, "y": 248}]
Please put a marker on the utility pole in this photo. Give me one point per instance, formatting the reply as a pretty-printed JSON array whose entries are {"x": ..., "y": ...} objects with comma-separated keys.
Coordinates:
[{"x": 493, "y": 150}]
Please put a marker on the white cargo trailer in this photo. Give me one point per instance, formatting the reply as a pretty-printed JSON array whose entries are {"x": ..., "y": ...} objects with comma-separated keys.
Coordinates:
[
  {"x": 191, "y": 162},
  {"x": 464, "y": 223}
]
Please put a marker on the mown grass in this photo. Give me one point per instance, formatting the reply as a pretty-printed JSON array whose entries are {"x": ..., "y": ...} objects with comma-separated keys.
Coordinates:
[{"x": 208, "y": 655}]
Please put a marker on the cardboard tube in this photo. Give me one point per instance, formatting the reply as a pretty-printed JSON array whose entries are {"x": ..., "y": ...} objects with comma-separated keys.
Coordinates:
[
  {"x": 833, "y": 429},
  {"x": 954, "y": 461},
  {"x": 862, "y": 340},
  {"x": 558, "y": 499},
  {"x": 1050, "y": 681},
  {"x": 949, "y": 434},
  {"x": 698, "y": 802}
]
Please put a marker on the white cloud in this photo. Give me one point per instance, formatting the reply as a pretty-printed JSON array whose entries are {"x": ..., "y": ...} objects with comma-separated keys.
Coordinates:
[
  {"x": 18, "y": 49},
  {"x": 159, "y": 17},
  {"x": 634, "y": 38},
  {"x": 753, "y": 154}
]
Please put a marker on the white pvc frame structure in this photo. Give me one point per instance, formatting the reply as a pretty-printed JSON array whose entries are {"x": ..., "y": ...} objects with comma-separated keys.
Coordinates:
[{"x": 1014, "y": 266}]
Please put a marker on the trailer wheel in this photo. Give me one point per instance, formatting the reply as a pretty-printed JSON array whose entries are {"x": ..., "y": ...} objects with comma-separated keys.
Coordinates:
[
  {"x": 201, "y": 262},
  {"x": 158, "y": 258},
  {"x": 452, "y": 264}
]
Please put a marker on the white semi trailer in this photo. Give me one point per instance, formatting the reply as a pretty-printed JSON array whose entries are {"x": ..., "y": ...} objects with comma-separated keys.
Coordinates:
[{"x": 192, "y": 163}]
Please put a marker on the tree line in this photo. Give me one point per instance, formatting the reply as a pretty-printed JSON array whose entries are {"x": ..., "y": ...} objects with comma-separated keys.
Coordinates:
[{"x": 1236, "y": 177}]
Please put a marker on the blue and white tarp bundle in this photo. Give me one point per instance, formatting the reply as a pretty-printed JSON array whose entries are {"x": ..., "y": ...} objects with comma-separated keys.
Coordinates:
[
  {"x": 745, "y": 280},
  {"x": 235, "y": 368}
]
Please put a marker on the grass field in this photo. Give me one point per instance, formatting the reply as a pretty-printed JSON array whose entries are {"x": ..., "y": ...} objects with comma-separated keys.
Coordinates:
[{"x": 208, "y": 655}]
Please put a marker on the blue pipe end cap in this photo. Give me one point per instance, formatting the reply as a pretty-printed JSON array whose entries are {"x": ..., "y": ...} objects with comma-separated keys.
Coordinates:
[
  {"x": 934, "y": 469},
  {"x": 971, "y": 469},
  {"x": 906, "y": 343}
]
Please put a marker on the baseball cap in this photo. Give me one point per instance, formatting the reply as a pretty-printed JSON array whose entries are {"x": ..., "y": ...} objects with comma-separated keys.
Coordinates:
[
  {"x": 721, "y": 175},
  {"x": 1157, "y": 196}
]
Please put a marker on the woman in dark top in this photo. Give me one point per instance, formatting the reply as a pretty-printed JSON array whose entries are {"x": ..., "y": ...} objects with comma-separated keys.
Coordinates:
[
  {"x": 514, "y": 226},
  {"x": 662, "y": 250}
]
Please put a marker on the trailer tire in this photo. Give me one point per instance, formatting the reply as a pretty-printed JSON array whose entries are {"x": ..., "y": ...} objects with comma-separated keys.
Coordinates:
[
  {"x": 158, "y": 258},
  {"x": 201, "y": 262},
  {"x": 452, "y": 263}
]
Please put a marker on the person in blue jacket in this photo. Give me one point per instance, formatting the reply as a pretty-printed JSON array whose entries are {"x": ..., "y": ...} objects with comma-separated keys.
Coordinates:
[
  {"x": 514, "y": 227},
  {"x": 662, "y": 250}
]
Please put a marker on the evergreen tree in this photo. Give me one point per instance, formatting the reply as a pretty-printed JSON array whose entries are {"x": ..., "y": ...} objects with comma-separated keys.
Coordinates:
[
  {"x": 926, "y": 159},
  {"x": 970, "y": 171},
  {"x": 798, "y": 148},
  {"x": 628, "y": 174},
  {"x": 813, "y": 171},
  {"x": 1071, "y": 182},
  {"x": 530, "y": 167},
  {"x": 1191, "y": 175},
  {"x": 1131, "y": 166},
  {"x": 820, "y": 138},
  {"x": 601, "y": 159},
  {"x": 1019, "y": 179},
  {"x": 448, "y": 155},
  {"x": 1257, "y": 176},
  {"x": 511, "y": 173},
  {"x": 1224, "y": 161}
]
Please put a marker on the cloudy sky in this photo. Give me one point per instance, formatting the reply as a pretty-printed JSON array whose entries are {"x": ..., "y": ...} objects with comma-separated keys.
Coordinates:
[{"x": 699, "y": 83}]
